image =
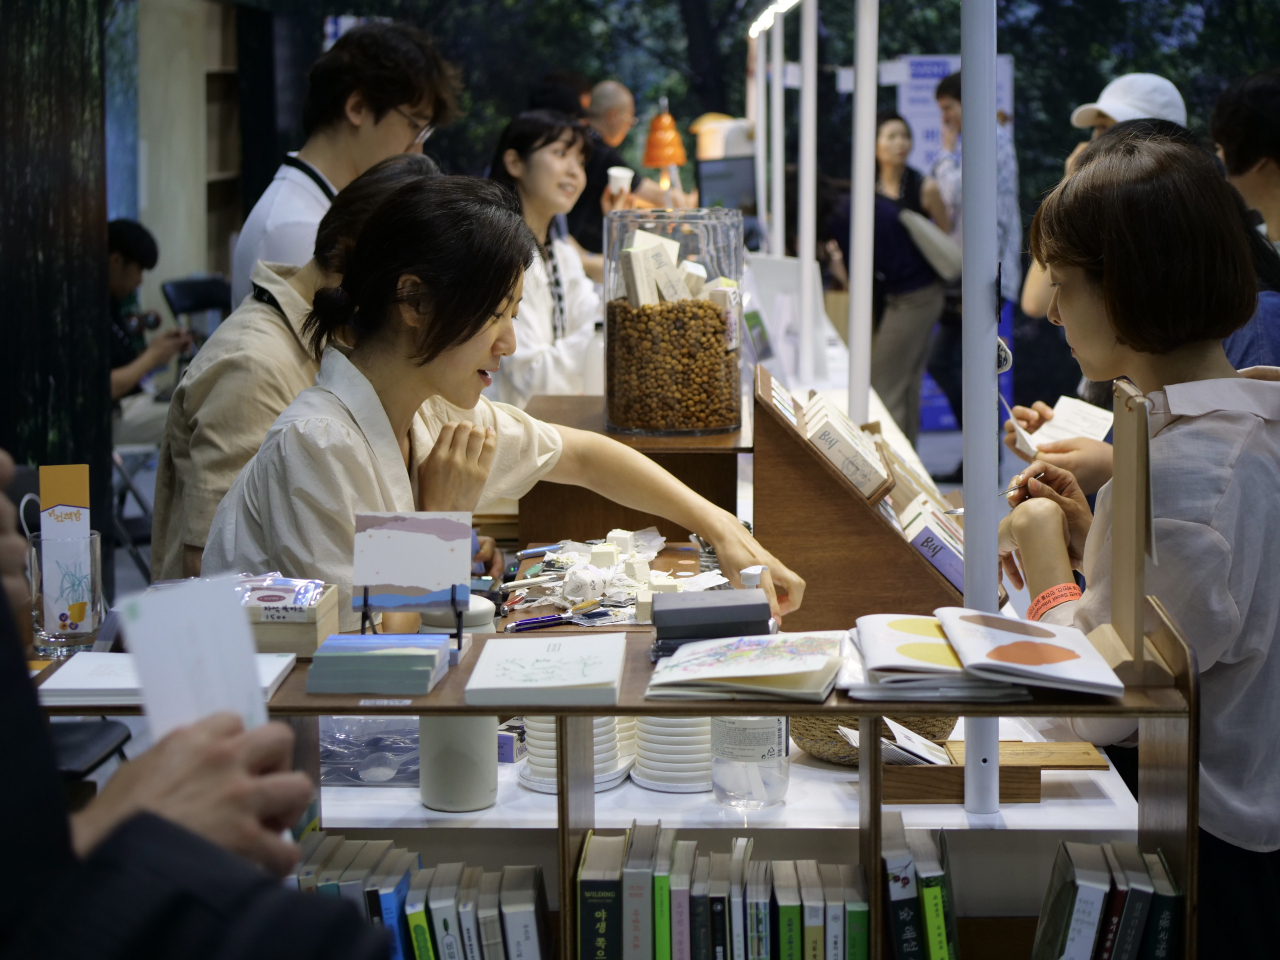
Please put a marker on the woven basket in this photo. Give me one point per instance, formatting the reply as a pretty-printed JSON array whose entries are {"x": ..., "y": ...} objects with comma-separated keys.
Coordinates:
[{"x": 818, "y": 735}]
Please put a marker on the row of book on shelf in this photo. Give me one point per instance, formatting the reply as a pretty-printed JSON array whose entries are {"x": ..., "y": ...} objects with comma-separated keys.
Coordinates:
[
  {"x": 645, "y": 894},
  {"x": 447, "y": 912}
]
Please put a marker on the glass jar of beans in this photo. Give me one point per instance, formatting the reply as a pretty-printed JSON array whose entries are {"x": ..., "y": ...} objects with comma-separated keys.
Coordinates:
[{"x": 673, "y": 321}]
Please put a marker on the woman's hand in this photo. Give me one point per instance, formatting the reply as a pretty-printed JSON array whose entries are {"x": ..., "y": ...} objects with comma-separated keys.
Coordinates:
[
  {"x": 736, "y": 550},
  {"x": 1260, "y": 373},
  {"x": 229, "y": 785},
  {"x": 1057, "y": 486},
  {"x": 491, "y": 557},
  {"x": 1031, "y": 419},
  {"x": 455, "y": 471},
  {"x": 1034, "y": 537},
  {"x": 1090, "y": 461}
]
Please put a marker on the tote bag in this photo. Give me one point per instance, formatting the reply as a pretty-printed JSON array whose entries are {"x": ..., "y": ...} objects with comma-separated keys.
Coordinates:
[{"x": 941, "y": 251}]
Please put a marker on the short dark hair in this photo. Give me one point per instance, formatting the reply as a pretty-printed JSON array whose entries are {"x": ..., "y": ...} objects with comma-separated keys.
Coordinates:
[
  {"x": 463, "y": 238},
  {"x": 133, "y": 242},
  {"x": 1246, "y": 121},
  {"x": 530, "y": 131},
  {"x": 1156, "y": 228},
  {"x": 949, "y": 86},
  {"x": 1266, "y": 262},
  {"x": 390, "y": 64},
  {"x": 344, "y": 219}
]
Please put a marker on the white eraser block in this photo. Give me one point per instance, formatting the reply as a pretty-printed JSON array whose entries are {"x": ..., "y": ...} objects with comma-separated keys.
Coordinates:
[
  {"x": 624, "y": 540},
  {"x": 644, "y": 605},
  {"x": 664, "y": 586},
  {"x": 604, "y": 555},
  {"x": 636, "y": 569},
  {"x": 638, "y": 277},
  {"x": 671, "y": 285},
  {"x": 695, "y": 275},
  {"x": 643, "y": 240}
]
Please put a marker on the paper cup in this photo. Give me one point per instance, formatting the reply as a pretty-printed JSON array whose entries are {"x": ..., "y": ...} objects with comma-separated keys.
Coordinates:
[{"x": 620, "y": 179}]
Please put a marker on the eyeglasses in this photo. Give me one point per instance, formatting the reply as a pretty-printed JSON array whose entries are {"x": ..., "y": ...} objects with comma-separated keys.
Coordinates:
[{"x": 423, "y": 134}]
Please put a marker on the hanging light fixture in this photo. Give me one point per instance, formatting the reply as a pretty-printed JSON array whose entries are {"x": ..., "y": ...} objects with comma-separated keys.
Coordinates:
[{"x": 664, "y": 149}]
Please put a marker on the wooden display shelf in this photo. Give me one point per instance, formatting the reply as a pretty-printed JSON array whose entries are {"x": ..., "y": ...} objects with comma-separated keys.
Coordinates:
[
  {"x": 706, "y": 464},
  {"x": 812, "y": 518}
]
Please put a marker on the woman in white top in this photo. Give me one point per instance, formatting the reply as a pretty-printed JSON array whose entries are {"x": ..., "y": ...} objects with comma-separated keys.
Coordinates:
[
  {"x": 1149, "y": 271},
  {"x": 541, "y": 158},
  {"x": 396, "y": 422}
]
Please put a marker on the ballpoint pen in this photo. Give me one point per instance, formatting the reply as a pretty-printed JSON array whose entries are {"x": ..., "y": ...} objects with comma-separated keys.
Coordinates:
[
  {"x": 555, "y": 619},
  {"x": 959, "y": 511}
]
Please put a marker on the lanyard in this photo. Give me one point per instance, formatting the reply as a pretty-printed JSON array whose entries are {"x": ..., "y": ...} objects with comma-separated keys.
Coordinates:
[
  {"x": 557, "y": 296},
  {"x": 311, "y": 172}
]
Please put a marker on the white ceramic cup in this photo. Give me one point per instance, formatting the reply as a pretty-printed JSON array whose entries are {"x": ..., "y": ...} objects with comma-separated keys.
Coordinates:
[
  {"x": 620, "y": 179},
  {"x": 459, "y": 762}
]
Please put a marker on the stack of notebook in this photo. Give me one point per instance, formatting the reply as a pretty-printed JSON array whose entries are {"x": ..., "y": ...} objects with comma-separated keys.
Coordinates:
[
  {"x": 405, "y": 664},
  {"x": 111, "y": 680}
]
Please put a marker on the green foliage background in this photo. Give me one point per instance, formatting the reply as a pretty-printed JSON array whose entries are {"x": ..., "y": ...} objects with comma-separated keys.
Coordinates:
[{"x": 695, "y": 52}]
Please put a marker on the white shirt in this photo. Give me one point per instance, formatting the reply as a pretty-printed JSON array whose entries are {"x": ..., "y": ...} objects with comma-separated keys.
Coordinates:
[
  {"x": 243, "y": 378},
  {"x": 947, "y": 172},
  {"x": 332, "y": 454},
  {"x": 542, "y": 364},
  {"x": 281, "y": 227},
  {"x": 1215, "y": 457}
]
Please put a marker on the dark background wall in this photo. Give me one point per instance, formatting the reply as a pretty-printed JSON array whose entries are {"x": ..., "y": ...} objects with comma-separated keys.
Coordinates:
[{"x": 55, "y": 378}]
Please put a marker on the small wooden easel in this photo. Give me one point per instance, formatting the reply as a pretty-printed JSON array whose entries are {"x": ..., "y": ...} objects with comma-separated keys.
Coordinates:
[{"x": 1123, "y": 641}]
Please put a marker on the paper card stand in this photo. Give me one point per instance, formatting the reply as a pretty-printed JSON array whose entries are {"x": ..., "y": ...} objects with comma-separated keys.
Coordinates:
[
  {"x": 819, "y": 524},
  {"x": 412, "y": 562}
]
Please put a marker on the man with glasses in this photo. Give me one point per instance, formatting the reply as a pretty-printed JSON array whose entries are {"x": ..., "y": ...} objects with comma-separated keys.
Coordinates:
[{"x": 379, "y": 91}]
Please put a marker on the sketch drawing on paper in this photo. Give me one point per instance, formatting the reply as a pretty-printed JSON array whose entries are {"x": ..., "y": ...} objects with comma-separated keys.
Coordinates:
[{"x": 410, "y": 561}]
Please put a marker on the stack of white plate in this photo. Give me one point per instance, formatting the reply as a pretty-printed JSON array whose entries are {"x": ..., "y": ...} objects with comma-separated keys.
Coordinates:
[
  {"x": 626, "y": 736},
  {"x": 673, "y": 754},
  {"x": 539, "y": 769}
]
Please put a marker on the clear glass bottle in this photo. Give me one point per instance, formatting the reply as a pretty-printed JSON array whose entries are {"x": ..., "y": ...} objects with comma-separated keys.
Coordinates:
[
  {"x": 672, "y": 356},
  {"x": 750, "y": 760}
]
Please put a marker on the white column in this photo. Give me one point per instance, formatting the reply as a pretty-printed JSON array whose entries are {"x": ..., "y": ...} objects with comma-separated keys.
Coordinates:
[
  {"x": 862, "y": 225},
  {"x": 778, "y": 139},
  {"x": 807, "y": 221},
  {"x": 761, "y": 99},
  {"x": 981, "y": 303}
]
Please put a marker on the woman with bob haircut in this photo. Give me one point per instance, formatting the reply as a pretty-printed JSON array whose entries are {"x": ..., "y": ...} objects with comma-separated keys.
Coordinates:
[
  {"x": 1150, "y": 271},
  {"x": 396, "y": 421},
  {"x": 541, "y": 158}
]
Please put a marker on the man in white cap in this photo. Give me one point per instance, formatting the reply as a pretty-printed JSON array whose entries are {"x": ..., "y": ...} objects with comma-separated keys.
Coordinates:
[{"x": 1134, "y": 96}]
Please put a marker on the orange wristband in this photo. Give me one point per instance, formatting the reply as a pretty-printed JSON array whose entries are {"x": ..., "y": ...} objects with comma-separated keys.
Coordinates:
[{"x": 1051, "y": 598}]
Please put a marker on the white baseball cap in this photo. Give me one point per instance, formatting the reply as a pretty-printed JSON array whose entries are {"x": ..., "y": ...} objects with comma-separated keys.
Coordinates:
[{"x": 1133, "y": 97}]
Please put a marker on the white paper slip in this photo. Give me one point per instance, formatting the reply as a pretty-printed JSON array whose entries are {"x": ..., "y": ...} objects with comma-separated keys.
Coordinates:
[
  {"x": 194, "y": 650},
  {"x": 1022, "y": 439},
  {"x": 1039, "y": 654},
  {"x": 111, "y": 679},
  {"x": 1074, "y": 418},
  {"x": 914, "y": 743},
  {"x": 548, "y": 671}
]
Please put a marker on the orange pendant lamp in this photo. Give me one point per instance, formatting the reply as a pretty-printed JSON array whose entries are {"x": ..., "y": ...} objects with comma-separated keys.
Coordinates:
[{"x": 664, "y": 146}]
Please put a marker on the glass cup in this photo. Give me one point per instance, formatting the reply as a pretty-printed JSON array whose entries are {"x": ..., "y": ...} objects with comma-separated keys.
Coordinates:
[{"x": 66, "y": 594}]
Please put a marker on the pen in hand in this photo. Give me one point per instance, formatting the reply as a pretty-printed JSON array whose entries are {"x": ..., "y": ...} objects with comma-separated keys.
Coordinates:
[{"x": 1022, "y": 485}]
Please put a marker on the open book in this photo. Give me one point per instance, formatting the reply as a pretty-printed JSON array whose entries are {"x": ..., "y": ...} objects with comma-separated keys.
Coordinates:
[
  {"x": 782, "y": 666},
  {"x": 1040, "y": 654}
]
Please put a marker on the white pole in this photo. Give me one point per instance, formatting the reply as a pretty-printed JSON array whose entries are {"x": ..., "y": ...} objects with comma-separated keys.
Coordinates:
[
  {"x": 807, "y": 221},
  {"x": 778, "y": 139},
  {"x": 862, "y": 225},
  {"x": 981, "y": 303},
  {"x": 761, "y": 126}
]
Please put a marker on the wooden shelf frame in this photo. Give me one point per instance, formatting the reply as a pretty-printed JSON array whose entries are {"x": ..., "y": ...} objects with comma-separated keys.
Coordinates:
[{"x": 1168, "y": 720}]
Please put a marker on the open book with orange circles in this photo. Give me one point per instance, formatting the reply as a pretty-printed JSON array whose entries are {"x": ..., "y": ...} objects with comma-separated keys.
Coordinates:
[
  {"x": 994, "y": 647},
  {"x": 909, "y": 656}
]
